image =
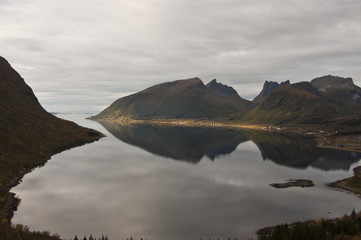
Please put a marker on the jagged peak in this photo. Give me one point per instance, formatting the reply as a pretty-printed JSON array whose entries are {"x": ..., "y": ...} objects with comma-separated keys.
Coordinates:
[
  {"x": 266, "y": 82},
  {"x": 287, "y": 82},
  {"x": 268, "y": 88},
  {"x": 213, "y": 81},
  {"x": 221, "y": 89}
]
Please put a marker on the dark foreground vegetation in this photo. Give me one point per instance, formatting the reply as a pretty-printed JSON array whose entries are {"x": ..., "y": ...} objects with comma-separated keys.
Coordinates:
[
  {"x": 20, "y": 232},
  {"x": 90, "y": 238},
  {"x": 345, "y": 228}
]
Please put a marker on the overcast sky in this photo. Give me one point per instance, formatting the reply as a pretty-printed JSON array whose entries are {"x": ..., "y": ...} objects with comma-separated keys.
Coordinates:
[{"x": 83, "y": 55}]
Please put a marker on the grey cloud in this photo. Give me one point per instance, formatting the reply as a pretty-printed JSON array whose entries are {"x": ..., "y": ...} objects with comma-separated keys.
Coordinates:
[{"x": 126, "y": 46}]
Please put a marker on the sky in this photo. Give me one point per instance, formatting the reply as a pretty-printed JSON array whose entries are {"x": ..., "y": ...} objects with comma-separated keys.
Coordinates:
[{"x": 80, "y": 56}]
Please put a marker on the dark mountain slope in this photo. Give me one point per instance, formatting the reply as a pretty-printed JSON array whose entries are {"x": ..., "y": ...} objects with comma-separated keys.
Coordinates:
[
  {"x": 182, "y": 99},
  {"x": 29, "y": 135},
  {"x": 268, "y": 88},
  {"x": 229, "y": 96},
  {"x": 299, "y": 103},
  {"x": 341, "y": 93},
  {"x": 221, "y": 90}
]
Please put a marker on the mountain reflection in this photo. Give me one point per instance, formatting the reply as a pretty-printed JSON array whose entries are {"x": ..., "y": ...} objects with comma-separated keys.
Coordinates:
[
  {"x": 298, "y": 151},
  {"x": 190, "y": 144},
  {"x": 180, "y": 143}
]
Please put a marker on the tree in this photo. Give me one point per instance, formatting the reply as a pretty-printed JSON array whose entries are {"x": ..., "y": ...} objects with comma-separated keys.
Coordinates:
[{"x": 353, "y": 214}]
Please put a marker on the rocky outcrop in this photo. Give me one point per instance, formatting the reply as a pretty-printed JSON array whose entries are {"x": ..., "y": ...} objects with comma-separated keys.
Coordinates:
[{"x": 268, "y": 88}]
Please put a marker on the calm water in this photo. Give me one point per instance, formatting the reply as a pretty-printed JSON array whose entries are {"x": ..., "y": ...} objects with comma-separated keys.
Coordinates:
[{"x": 182, "y": 183}]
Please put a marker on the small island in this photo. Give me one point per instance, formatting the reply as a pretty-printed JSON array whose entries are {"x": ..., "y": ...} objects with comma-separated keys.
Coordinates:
[{"x": 293, "y": 183}]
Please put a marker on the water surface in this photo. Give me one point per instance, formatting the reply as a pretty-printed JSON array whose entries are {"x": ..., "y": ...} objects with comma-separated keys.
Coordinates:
[{"x": 182, "y": 183}]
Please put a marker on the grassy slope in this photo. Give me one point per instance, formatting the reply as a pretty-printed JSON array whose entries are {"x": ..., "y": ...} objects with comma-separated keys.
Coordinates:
[
  {"x": 182, "y": 99},
  {"x": 29, "y": 135},
  {"x": 298, "y": 103},
  {"x": 343, "y": 102}
]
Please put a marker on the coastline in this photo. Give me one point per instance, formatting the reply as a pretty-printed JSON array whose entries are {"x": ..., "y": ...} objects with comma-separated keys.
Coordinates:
[
  {"x": 351, "y": 184},
  {"x": 326, "y": 137},
  {"x": 13, "y": 202},
  {"x": 181, "y": 123}
]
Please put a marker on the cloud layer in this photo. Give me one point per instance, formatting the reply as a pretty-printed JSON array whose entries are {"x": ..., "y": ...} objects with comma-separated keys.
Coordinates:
[{"x": 83, "y": 55}]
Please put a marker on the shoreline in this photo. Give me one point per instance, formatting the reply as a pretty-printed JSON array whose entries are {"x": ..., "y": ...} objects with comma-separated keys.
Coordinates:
[
  {"x": 351, "y": 184},
  {"x": 13, "y": 201},
  {"x": 326, "y": 137},
  {"x": 180, "y": 123},
  {"x": 341, "y": 185}
]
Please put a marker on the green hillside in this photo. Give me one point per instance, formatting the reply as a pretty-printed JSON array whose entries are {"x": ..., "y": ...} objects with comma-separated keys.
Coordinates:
[
  {"x": 182, "y": 99},
  {"x": 298, "y": 103}
]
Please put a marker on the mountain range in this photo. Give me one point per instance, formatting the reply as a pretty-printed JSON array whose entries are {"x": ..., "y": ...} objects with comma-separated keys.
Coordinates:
[{"x": 324, "y": 100}]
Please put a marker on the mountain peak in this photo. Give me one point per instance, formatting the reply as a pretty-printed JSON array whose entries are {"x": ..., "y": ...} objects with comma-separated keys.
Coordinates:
[
  {"x": 305, "y": 87},
  {"x": 3, "y": 60},
  {"x": 341, "y": 92},
  {"x": 187, "y": 99},
  {"x": 329, "y": 82},
  {"x": 221, "y": 89},
  {"x": 268, "y": 88},
  {"x": 190, "y": 80},
  {"x": 213, "y": 81},
  {"x": 14, "y": 88}
]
